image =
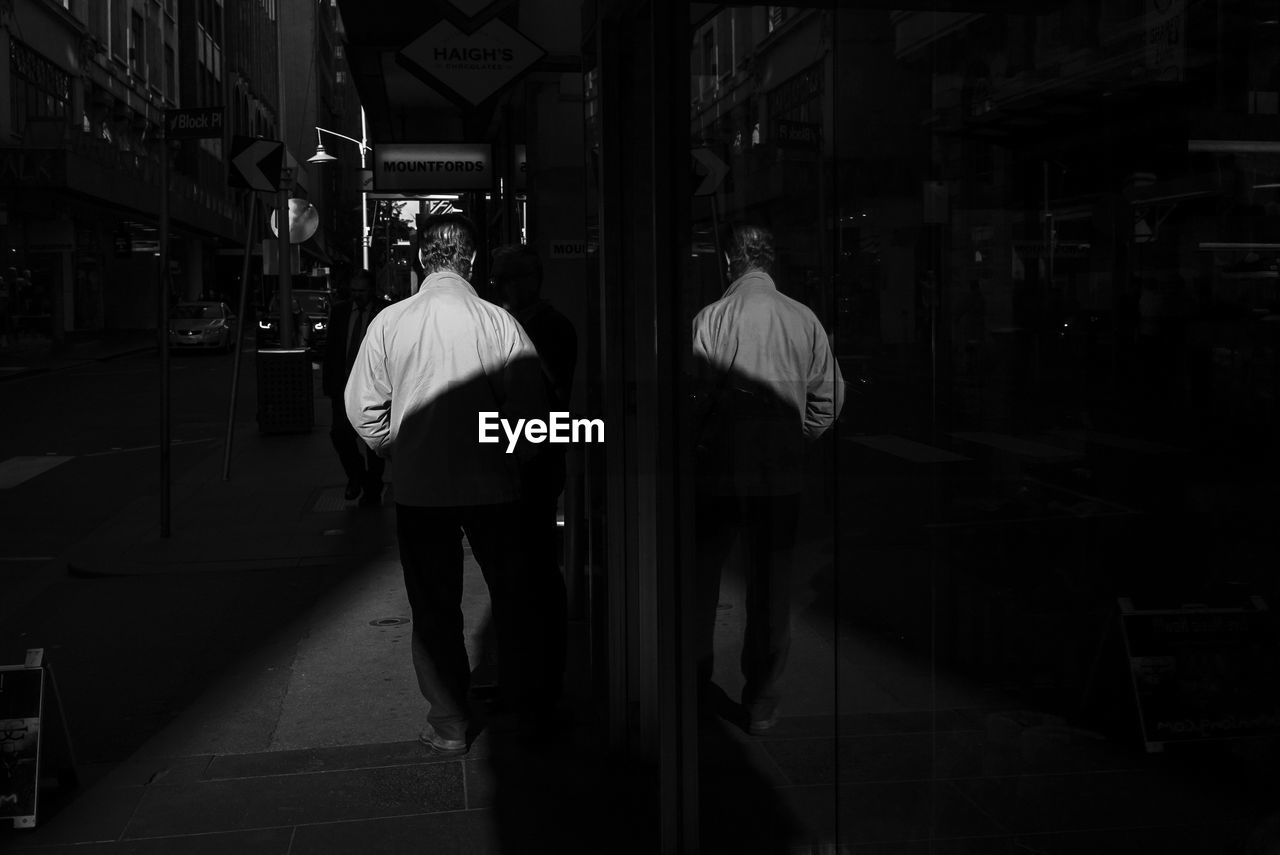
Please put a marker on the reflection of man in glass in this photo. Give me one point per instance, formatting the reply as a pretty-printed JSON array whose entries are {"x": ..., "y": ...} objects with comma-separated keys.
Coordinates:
[{"x": 768, "y": 384}]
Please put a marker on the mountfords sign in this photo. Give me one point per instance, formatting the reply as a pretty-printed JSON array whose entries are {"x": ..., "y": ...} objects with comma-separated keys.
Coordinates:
[{"x": 432, "y": 167}]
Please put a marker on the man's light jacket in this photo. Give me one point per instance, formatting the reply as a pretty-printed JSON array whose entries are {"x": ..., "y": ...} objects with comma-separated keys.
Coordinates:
[
  {"x": 428, "y": 366},
  {"x": 769, "y": 383}
]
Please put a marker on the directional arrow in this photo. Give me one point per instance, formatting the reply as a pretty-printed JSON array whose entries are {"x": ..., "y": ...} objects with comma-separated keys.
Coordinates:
[
  {"x": 256, "y": 164},
  {"x": 716, "y": 169}
]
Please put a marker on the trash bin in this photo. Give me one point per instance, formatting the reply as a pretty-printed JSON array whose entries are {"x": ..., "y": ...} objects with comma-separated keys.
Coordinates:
[{"x": 285, "y": 394}]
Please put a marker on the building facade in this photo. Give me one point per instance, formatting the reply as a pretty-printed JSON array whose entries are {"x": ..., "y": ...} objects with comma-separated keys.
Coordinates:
[{"x": 86, "y": 85}]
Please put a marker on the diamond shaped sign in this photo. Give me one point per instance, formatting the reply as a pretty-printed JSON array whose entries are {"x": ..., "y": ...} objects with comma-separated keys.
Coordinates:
[
  {"x": 472, "y": 10},
  {"x": 471, "y": 66}
]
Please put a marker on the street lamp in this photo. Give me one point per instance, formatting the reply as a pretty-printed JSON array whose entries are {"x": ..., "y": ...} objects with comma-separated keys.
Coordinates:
[{"x": 322, "y": 156}]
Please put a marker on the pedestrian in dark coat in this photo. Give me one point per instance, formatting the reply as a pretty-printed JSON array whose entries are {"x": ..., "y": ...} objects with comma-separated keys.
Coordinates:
[{"x": 348, "y": 320}]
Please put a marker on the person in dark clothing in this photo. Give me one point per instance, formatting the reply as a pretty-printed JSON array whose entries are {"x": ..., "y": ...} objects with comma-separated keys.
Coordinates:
[
  {"x": 348, "y": 320},
  {"x": 517, "y": 277}
]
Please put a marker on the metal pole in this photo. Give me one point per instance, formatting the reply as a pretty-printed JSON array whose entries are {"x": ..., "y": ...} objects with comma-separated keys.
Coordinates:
[
  {"x": 235, "y": 369},
  {"x": 164, "y": 334},
  {"x": 285, "y": 270},
  {"x": 364, "y": 197},
  {"x": 719, "y": 244}
]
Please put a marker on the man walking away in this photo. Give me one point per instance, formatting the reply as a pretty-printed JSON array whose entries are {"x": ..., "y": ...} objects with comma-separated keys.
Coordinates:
[
  {"x": 769, "y": 384},
  {"x": 428, "y": 366},
  {"x": 517, "y": 274},
  {"x": 348, "y": 321}
]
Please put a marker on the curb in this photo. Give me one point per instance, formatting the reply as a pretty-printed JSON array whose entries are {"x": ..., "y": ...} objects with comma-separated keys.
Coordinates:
[
  {"x": 80, "y": 570},
  {"x": 130, "y": 352},
  {"x": 30, "y": 371}
]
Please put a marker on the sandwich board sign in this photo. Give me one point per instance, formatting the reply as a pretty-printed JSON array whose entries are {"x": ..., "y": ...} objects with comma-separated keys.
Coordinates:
[
  {"x": 34, "y": 745},
  {"x": 470, "y": 67},
  {"x": 1202, "y": 671}
]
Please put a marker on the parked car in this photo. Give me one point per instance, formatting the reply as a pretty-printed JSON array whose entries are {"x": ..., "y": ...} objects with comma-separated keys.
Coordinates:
[
  {"x": 313, "y": 305},
  {"x": 205, "y": 325}
]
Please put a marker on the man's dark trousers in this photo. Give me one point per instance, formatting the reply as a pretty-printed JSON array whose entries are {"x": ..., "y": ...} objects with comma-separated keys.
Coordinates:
[
  {"x": 432, "y": 557},
  {"x": 362, "y": 466},
  {"x": 768, "y": 526}
]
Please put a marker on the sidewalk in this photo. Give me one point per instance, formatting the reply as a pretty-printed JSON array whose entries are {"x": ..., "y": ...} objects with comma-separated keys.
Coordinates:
[
  {"x": 35, "y": 355},
  {"x": 305, "y": 738},
  {"x": 301, "y": 738}
]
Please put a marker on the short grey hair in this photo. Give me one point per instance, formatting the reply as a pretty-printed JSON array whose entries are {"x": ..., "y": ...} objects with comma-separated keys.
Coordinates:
[{"x": 447, "y": 242}]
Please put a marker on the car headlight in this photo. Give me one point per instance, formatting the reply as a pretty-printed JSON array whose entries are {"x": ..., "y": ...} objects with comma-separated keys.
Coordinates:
[
  {"x": 264, "y": 325},
  {"x": 319, "y": 326}
]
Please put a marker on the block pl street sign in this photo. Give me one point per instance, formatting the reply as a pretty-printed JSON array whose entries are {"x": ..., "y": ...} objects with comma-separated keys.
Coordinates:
[
  {"x": 256, "y": 164},
  {"x": 432, "y": 167},
  {"x": 470, "y": 67},
  {"x": 713, "y": 170},
  {"x": 193, "y": 123}
]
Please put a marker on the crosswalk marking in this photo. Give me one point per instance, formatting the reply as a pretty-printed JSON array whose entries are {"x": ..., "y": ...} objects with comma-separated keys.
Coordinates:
[
  {"x": 16, "y": 470},
  {"x": 175, "y": 442},
  {"x": 1124, "y": 443},
  {"x": 907, "y": 449},
  {"x": 1014, "y": 445}
]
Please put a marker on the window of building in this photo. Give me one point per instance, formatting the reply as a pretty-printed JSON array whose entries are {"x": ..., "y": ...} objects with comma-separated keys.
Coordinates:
[
  {"x": 137, "y": 43},
  {"x": 170, "y": 73},
  {"x": 38, "y": 88}
]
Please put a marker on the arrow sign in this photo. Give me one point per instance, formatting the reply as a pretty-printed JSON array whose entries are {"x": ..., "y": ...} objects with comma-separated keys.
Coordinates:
[
  {"x": 256, "y": 164},
  {"x": 714, "y": 168}
]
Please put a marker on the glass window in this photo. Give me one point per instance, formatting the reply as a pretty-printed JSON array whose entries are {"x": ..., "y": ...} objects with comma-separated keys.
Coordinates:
[
  {"x": 39, "y": 88},
  {"x": 1035, "y": 254},
  {"x": 170, "y": 73},
  {"x": 137, "y": 43}
]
